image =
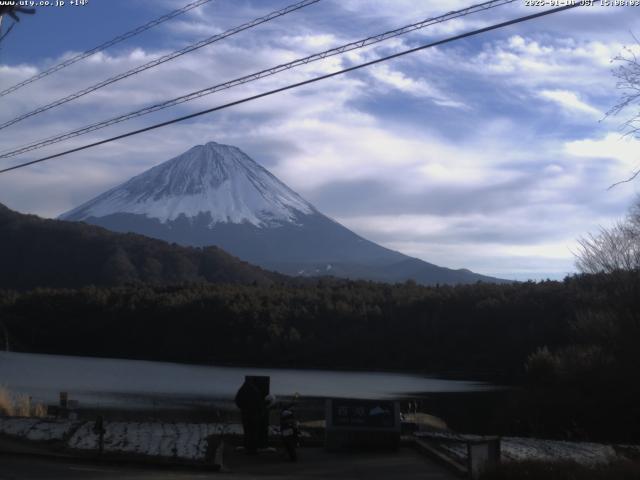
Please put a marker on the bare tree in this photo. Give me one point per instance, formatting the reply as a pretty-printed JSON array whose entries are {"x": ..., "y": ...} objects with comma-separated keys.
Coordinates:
[
  {"x": 627, "y": 74},
  {"x": 618, "y": 247},
  {"x": 12, "y": 11},
  {"x": 611, "y": 249}
]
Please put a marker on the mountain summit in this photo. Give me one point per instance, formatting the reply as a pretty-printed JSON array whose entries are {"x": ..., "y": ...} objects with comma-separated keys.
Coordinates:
[
  {"x": 219, "y": 181},
  {"x": 215, "y": 194}
]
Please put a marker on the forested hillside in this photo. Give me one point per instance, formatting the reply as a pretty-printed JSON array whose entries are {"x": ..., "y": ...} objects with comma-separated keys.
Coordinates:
[
  {"x": 334, "y": 323},
  {"x": 35, "y": 252}
]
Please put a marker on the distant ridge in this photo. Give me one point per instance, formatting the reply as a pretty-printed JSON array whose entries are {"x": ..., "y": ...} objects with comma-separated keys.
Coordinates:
[{"x": 35, "y": 252}]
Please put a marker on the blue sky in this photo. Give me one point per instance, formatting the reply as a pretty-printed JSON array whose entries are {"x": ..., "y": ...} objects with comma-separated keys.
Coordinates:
[{"x": 488, "y": 153}]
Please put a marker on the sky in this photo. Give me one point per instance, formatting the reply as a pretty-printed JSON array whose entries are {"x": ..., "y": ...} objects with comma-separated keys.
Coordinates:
[{"x": 492, "y": 153}]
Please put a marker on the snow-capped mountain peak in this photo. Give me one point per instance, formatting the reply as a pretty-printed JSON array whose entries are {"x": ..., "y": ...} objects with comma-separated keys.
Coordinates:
[
  {"x": 216, "y": 195},
  {"x": 212, "y": 179}
]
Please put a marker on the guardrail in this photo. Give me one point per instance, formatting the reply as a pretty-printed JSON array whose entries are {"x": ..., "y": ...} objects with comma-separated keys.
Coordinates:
[{"x": 482, "y": 452}]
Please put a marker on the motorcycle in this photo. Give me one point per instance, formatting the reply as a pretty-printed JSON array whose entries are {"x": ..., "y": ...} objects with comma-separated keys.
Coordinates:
[{"x": 289, "y": 430}]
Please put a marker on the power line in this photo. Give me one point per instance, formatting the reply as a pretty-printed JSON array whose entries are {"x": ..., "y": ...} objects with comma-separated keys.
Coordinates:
[
  {"x": 105, "y": 45},
  {"x": 258, "y": 75},
  {"x": 299, "y": 84},
  {"x": 163, "y": 59}
]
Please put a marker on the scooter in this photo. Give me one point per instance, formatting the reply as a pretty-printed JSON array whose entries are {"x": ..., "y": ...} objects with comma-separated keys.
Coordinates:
[{"x": 289, "y": 430}]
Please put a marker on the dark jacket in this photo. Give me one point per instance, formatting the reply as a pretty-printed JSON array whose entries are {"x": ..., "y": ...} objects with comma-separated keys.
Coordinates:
[{"x": 249, "y": 398}]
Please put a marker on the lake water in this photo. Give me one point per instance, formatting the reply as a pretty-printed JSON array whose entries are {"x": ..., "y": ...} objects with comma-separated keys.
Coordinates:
[{"x": 114, "y": 382}]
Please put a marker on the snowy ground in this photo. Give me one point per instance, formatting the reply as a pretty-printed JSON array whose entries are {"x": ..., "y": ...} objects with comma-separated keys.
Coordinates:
[
  {"x": 36, "y": 429},
  {"x": 190, "y": 441},
  {"x": 185, "y": 441},
  {"x": 519, "y": 448},
  {"x": 176, "y": 440}
]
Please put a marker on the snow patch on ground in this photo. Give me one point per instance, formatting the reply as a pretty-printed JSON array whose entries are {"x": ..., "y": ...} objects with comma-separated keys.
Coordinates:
[
  {"x": 36, "y": 429},
  {"x": 17, "y": 426},
  {"x": 518, "y": 449},
  {"x": 585, "y": 453},
  {"x": 186, "y": 441}
]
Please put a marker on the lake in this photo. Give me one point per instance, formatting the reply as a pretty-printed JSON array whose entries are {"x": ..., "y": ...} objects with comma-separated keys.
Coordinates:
[{"x": 105, "y": 382}]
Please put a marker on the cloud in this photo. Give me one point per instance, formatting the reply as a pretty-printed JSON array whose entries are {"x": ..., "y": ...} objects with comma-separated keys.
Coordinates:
[
  {"x": 412, "y": 86},
  {"x": 621, "y": 153},
  {"x": 546, "y": 61},
  {"x": 570, "y": 102}
]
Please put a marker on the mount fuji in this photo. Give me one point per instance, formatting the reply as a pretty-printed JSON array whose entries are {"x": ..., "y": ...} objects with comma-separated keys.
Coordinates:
[{"x": 215, "y": 194}]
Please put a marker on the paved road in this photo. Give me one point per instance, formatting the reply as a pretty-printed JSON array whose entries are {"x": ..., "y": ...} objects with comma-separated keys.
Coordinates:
[
  {"x": 314, "y": 464},
  {"x": 35, "y": 468}
]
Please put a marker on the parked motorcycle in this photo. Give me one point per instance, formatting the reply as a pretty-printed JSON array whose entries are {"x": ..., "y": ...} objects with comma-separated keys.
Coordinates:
[{"x": 290, "y": 429}]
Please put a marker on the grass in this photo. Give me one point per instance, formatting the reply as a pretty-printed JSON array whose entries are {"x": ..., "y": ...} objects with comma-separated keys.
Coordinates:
[
  {"x": 19, "y": 405},
  {"x": 536, "y": 470}
]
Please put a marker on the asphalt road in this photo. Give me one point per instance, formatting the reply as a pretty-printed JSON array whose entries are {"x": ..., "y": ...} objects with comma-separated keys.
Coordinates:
[{"x": 314, "y": 464}]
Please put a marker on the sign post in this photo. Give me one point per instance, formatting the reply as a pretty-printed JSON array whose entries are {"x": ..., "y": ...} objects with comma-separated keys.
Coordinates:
[
  {"x": 362, "y": 424},
  {"x": 98, "y": 429}
]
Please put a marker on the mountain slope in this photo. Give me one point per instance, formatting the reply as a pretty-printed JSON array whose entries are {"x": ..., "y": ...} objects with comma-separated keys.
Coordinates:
[
  {"x": 35, "y": 252},
  {"x": 216, "y": 195}
]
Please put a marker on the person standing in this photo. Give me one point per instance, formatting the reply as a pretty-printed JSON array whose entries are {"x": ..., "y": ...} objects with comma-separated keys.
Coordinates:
[{"x": 250, "y": 401}]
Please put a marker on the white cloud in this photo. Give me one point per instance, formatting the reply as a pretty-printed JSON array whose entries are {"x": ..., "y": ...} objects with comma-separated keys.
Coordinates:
[
  {"x": 551, "y": 62},
  {"x": 623, "y": 153},
  {"x": 570, "y": 102},
  {"x": 412, "y": 86}
]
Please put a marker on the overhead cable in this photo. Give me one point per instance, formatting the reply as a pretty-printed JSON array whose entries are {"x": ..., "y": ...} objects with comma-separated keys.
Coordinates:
[
  {"x": 258, "y": 75},
  {"x": 161, "y": 60},
  {"x": 296, "y": 85},
  {"x": 104, "y": 46}
]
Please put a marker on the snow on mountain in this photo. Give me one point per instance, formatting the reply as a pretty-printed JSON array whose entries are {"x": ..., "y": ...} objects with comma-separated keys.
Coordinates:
[{"x": 214, "y": 179}]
